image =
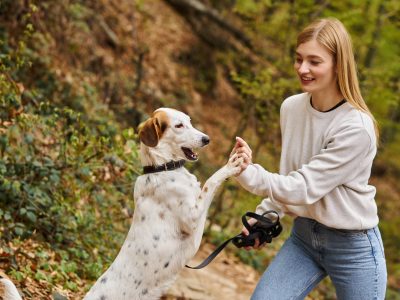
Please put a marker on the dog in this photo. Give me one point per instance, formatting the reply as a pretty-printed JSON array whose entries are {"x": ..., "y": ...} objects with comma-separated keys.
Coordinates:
[{"x": 170, "y": 211}]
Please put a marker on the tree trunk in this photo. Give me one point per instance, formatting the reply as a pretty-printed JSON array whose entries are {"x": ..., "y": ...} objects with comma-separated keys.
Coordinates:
[{"x": 369, "y": 58}]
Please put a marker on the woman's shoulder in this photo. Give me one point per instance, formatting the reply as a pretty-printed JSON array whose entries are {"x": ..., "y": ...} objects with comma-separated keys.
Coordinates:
[
  {"x": 355, "y": 119},
  {"x": 350, "y": 116},
  {"x": 295, "y": 102}
]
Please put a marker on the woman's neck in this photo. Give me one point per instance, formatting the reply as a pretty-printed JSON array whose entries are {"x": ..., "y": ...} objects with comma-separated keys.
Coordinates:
[{"x": 323, "y": 101}]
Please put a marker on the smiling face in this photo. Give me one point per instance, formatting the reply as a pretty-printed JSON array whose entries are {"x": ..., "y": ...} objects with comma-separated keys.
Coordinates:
[{"x": 315, "y": 68}]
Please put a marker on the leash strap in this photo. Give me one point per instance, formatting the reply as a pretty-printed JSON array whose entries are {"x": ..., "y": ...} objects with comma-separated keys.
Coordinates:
[
  {"x": 213, "y": 255},
  {"x": 169, "y": 166},
  {"x": 264, "y": 229}
]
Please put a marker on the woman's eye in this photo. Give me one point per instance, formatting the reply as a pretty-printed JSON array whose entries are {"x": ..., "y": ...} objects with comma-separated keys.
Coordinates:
[
  {"x": 179, "y": 125},
  {"x": 315, "y": 63},
  {"x": 298, "y": 60}
]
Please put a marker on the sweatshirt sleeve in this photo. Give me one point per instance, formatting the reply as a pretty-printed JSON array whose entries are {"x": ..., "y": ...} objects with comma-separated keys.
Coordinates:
[
  {"x": 268, "y": 204},
  {"x": 345, "y": 152}
]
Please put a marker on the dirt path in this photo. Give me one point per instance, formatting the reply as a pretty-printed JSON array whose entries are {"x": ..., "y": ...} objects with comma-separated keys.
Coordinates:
[{"x": 225, "y": 278}]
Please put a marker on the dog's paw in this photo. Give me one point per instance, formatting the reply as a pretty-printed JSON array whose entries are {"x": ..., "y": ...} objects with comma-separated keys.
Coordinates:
[{"x": 234, "y": 165}]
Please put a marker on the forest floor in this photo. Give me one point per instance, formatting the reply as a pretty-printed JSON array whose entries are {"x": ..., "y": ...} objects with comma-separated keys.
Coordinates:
[{"x": 225, "y": 278}]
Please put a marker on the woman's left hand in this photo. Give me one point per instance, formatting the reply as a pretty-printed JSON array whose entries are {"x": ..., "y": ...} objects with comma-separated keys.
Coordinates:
[{"x": 243, "y": 151}]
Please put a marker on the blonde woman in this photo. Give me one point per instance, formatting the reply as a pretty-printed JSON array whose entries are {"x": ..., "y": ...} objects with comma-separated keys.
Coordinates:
[{"x": 329, "y": 141}]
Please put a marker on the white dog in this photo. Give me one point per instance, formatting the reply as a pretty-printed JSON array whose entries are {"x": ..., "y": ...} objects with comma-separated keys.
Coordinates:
[{"x": 170, "y": 211}]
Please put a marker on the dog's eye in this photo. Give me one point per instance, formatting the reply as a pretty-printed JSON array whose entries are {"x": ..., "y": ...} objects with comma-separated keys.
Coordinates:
[{"x": 180, "y": 125}]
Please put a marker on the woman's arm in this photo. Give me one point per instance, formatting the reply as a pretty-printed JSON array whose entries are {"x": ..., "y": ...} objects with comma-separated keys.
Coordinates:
[{"x": 345, "y": 153}]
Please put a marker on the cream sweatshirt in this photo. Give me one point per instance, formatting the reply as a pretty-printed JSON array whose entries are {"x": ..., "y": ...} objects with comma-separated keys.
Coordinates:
[{"x": 325, "y": 166}]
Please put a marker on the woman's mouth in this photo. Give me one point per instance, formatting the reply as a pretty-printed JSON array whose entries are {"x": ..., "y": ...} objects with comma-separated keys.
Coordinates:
[{"x": 306, "y": 79}]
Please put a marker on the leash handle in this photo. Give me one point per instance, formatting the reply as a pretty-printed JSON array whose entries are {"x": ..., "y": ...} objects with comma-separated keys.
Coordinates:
[
  {"x": 264, "y": 230},
  {"x": 259, "y": 218}
]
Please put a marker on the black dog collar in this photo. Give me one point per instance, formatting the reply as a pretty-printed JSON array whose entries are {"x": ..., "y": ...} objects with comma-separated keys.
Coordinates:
[{"x": 169, "y": 166}]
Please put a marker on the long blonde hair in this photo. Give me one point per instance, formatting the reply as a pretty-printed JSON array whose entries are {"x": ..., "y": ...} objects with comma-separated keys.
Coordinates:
[{"x": 332, "y": 34}]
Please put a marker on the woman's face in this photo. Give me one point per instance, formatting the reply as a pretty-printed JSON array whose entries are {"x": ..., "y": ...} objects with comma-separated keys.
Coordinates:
[{"x": 315, "y": 67}]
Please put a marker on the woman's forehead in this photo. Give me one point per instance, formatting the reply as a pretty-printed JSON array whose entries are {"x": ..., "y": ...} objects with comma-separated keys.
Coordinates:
[{"x": 313, "y": 49}]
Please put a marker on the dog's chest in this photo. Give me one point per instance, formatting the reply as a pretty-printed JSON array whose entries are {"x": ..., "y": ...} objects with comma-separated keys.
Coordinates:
[{"x": 167, "y": 188}]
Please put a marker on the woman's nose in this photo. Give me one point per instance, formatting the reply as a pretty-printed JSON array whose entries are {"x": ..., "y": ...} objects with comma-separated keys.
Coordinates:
[{"x": 303, "y": 68}]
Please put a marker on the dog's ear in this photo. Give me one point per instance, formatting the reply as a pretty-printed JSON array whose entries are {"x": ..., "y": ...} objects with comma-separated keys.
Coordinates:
[{"x": 152, "y": 130}]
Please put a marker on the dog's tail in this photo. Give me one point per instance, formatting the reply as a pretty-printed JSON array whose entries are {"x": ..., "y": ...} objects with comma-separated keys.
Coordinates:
[{"x": 8, "y": 291}]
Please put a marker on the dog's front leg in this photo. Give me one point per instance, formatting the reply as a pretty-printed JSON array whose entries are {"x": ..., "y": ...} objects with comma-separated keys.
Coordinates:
[
  {"x": 212, "y": 184},
  {"x": 208, "y": 192}
]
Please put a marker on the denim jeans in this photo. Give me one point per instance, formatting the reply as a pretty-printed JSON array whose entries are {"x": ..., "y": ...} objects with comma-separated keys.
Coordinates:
[{"x": 354, "y": 261}]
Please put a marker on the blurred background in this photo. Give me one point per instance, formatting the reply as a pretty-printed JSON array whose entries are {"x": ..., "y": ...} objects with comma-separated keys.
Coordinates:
[{"x": 77, "y": 77}]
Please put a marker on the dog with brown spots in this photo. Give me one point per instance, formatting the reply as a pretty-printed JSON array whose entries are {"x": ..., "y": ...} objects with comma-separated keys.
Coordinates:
[{"x": 170, "y": 211}]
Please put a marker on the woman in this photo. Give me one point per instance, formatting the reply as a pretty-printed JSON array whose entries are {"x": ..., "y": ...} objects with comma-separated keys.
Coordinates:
[{"x": 329, "y": 141}]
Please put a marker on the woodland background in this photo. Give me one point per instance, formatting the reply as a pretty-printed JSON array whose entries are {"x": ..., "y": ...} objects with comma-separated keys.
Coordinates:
[{"x": 77, "y": 77}]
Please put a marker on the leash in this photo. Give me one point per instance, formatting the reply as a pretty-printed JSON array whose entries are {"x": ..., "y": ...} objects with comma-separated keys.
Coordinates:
[
  {"x": 264, "y": 229},
  {"x": 169, "y": 166}
]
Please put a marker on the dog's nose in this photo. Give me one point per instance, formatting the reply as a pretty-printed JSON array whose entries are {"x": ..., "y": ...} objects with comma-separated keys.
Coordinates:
[{"x": 206, "y": 140}]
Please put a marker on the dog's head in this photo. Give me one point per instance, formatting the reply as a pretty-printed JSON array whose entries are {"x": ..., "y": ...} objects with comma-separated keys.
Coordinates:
[{"x": 170, "y": 135}]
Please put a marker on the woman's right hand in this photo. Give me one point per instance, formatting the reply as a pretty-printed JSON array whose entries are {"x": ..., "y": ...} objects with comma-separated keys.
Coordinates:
[
  {"x": 242, "y": 149},
  {"x": 256, "y": 245}
]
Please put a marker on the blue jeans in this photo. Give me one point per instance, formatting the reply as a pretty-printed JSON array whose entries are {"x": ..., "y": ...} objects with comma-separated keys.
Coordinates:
[{"x": 354, "y": 261}]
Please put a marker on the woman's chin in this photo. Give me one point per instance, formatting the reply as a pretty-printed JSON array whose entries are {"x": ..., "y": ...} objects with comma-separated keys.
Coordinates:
[{"x": 307, "y": 88}]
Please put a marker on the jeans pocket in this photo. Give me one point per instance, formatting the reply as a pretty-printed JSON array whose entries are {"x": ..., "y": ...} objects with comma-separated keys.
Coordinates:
[
  {"x": 376, "y": 243},
  {"x": 379, "y": 240}
]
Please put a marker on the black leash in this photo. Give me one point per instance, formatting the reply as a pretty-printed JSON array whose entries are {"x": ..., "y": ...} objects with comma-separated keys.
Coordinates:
[{"x": 264, "y": 229}]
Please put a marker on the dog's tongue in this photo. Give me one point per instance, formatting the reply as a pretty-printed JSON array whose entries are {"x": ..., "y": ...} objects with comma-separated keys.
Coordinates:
[{"x": 189, "y": 153}]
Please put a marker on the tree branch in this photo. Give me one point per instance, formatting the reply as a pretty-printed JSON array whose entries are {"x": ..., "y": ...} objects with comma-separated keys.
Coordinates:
[{"x": 192, "y": 9}]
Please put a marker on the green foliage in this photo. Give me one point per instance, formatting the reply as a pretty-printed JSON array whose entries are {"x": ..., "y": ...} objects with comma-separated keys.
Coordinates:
[{"x": 66, "y": 172}]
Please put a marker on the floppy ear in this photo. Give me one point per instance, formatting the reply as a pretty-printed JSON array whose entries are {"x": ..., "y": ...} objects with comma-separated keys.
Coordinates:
[{"x": 152, "y": 130}]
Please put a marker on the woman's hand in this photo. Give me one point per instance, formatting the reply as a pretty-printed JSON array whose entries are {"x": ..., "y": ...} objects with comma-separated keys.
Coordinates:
[
  {"x": 256, "y": 245},
  {"x": 243, "y": 151}
]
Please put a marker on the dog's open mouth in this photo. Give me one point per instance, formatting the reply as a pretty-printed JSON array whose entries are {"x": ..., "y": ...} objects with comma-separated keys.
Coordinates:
[{"x": 190, "y": 155}]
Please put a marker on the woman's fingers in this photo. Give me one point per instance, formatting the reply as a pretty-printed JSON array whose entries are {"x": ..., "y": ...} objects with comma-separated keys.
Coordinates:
[
  {"x": 242, "y": 147},
  {"x": 243, "y": 151},
  {"x": 245, "y": 154},
  {"x": 241, "y": 142},
  {"x": 251, "y": 222},
  {"x": 246, "y": 160},
  {"x": 235, "y": 147}
]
